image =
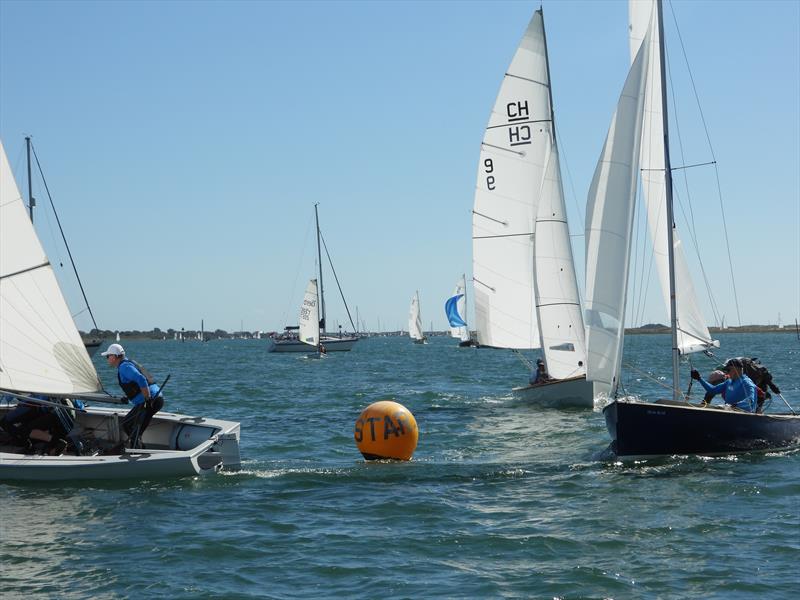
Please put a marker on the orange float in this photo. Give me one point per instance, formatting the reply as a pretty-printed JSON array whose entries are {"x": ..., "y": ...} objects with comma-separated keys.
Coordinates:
[{"x": 386, "y": 429}]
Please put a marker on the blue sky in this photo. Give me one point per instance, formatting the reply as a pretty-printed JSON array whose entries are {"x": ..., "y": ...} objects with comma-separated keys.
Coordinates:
[{"x": 185, "y": 144}]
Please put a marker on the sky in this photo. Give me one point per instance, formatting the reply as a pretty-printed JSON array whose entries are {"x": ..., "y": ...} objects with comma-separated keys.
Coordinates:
[{"x": 186, "y": 143}]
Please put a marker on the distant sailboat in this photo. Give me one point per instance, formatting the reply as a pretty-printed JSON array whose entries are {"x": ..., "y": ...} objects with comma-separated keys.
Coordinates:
[
  {"x": 118, "y": 336},
  {"x": 415, "y": 321},
  {"x": 289, "y": 342},
  {"x": 456, "y": 310},
  {"x": 526, "y": 291}
]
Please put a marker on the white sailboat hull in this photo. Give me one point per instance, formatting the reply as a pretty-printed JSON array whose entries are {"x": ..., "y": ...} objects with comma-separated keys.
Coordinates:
[
  {"x": 331, "y": 345},
  {"x": 176, "y": 446},
  {"x": 574, "y": 392}
]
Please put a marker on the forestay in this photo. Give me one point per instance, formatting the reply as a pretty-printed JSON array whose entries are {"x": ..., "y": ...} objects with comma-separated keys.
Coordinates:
[
  {"x": 609, "y": 225},
  {"x": 510, "y": 172},
  {"x": 309, "y": 315},
  {"x": 455, "y": 308},
  {"x": 415, "y": 319},
  {"x": 40, "y": 347},
  {"x": 693, "y": 335}
]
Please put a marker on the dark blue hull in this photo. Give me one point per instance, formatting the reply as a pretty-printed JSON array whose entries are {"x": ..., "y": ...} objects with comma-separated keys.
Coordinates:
[{"x": 665, "y": 428}]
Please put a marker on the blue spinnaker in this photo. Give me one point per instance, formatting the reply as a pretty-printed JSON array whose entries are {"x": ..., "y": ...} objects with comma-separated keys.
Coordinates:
[{"x": 451, "y": 308}]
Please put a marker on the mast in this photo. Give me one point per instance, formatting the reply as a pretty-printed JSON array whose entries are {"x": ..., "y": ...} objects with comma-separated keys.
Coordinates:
[
  {"x": 320, "y": 292},
  {"x": 670, "y": 215},
  {"x": 31, "y": 201}
]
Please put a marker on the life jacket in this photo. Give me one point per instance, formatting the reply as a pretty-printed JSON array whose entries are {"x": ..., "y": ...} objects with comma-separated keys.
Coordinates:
[{"x": 131, "y": 388}]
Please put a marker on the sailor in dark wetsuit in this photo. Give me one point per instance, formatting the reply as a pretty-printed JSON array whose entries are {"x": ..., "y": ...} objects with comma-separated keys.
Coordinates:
[{"x": 140, "y": 391}]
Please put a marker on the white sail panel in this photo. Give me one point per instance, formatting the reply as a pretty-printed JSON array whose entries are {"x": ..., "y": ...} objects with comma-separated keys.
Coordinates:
[
  {"x": 40, "y": 347},
  {"x": 557, "y": 299},
  {"x": 309, "y": 315},
  {"x": 609, "y": 225},
  {"x": 455, "y": 308},
  {"x": 693, "y": 335},
  {"x": 510, "y": 171},
  {"x": 415, "y": 319}
]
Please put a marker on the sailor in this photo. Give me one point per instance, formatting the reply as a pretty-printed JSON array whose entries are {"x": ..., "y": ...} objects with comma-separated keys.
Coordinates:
[
  {"x": 738, "y": 390},
  {"x": 140, "y": 390},
  {"x": 540, "y": 375}
]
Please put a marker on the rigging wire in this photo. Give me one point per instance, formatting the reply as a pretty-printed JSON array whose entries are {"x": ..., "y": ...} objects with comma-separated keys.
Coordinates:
[
  {"x": 63, "y": 236},
  {"x": 285, "y": 314},
  {"x": 341, "y": 293},
  {"x": 713, "y": 156}
]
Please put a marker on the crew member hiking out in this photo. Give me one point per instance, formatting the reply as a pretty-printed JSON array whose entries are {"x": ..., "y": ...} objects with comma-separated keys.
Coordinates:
[{"x": 138, "y": 386}]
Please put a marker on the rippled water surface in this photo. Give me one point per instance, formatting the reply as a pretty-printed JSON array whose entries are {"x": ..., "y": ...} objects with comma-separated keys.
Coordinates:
[{"x": 500, "y": 500}]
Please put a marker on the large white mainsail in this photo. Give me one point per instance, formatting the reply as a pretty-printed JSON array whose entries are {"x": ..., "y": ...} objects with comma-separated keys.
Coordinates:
[
  {"x": 455, "y": 309},
  {"x": 512, "y": 163},
  {"x": 415, "y": 319},
  {"x": 609, "y": 225},
  {"x": 309, "y": 315},
  {"x": 40, "y": 347},
  {"x": 693, "y": 335}
]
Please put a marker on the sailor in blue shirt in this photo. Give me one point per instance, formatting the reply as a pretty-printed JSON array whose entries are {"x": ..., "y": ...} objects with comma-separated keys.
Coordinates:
[
  {"x": 140, "y": 391},
  {"x": 738, "y": 390}
]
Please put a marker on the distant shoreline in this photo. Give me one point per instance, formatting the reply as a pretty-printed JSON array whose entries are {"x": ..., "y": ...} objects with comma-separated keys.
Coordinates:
[
  {"x": 191, "y": 336},
  {"x": 717, "y": 330}
]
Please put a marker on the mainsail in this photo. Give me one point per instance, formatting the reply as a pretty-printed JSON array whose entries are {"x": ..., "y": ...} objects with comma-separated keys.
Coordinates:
[
  {"x": 609, "y": 225},
  {"x": 511, "y": 169},
  {"x": 40, "y": 347},
  {"x": 414, "y": 319},
  {"x": 693, "y": 335},
  {"x": 309, "y": 315},
  {"x": 455, "y": 308}
]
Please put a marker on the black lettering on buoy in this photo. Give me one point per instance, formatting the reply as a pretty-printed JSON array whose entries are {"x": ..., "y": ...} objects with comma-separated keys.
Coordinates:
[
  {"x": 388, "y": 427},
  {"x": 399, "y": 416},
  {"x": 359, "y": 431},
  {"x": 372, "y": 426}
]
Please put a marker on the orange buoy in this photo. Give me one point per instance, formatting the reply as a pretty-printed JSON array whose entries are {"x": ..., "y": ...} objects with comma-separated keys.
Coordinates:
[{"x": 386, "y": 429}]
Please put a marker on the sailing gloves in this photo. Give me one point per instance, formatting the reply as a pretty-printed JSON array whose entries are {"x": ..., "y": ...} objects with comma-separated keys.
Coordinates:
[{"x": 695, "y": 374}]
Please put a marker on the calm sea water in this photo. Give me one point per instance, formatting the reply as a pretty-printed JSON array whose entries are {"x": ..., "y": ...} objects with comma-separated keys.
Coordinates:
[{"x": 501, "y": 499}]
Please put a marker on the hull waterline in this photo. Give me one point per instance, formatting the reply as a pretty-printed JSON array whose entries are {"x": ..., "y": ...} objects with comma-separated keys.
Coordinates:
[
  {"x": 344, "y": 344},
  {"x": 649, "y": 429},
  {"x": 575, "y": 392}
]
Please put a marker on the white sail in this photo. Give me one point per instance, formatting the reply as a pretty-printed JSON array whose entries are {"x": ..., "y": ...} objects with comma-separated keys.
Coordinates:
[
  {"x": 309, "y": 315},
  {"x": 510, "y": 173},
  {"x": 693, "y": 335},
  {"x": 558, "y": 303},
  {"x": 455, "y": 308},
  {"x": 40, "y": 347},
  {"x": 414, "y": 319},
  {"x": 609, "y": 225}
]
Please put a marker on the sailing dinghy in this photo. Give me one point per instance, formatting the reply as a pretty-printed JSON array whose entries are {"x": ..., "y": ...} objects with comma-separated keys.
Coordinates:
[
  {"x": 638, "y": 141},
  {"x": 309, "y": 321},
  {"x": 526, "y": 292},
  {"x": 415, "y": 321},
  {"x": 41, "y": 353}
]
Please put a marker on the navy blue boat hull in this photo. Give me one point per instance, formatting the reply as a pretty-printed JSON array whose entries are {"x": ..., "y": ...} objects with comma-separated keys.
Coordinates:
[{"x": 665, "y": 428}]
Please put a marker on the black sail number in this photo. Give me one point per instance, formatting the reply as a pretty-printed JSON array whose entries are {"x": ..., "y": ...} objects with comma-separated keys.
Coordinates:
[{"x": 488, "y": 167}]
